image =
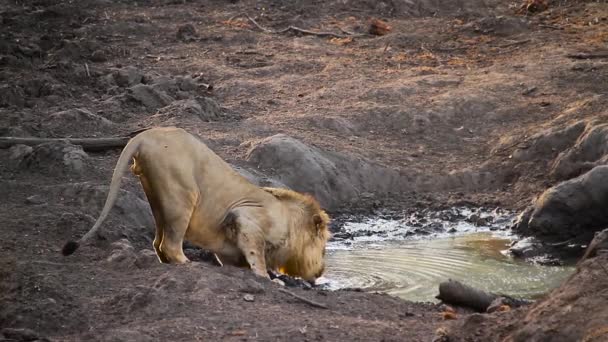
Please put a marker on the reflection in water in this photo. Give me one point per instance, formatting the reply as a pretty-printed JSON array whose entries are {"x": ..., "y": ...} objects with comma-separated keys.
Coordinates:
[{"x": 413, "y": 269}]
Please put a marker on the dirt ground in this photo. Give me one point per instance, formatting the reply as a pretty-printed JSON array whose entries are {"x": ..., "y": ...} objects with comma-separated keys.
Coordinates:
[{"x": 451, "y": 89}]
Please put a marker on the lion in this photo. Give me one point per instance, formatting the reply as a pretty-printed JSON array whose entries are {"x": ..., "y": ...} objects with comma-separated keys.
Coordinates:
[{"x": 196, "y": 196}]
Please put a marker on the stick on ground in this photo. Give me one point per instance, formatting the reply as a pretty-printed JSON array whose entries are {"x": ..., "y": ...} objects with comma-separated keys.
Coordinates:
[
  {"x": 88, "y": 144},
  {"x": 296, "y": 29},
  {"x": 307, "y": 301}
]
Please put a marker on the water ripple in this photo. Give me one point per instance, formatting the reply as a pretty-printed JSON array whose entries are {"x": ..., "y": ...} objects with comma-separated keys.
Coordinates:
[{"x": 414, "y": 269}]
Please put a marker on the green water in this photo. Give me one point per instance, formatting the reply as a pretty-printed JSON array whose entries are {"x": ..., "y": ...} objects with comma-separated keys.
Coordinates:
[{"x": 413, "y": 269}]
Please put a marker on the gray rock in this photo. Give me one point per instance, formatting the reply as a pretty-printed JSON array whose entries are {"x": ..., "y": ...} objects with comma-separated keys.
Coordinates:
[
  {"x": 127, "y": 76},
  {"x": 35, "y": 199},
  {"x": 136, "y": 220},
  {"x": 186, "y": 33},
  {"x": 148, "y": 96},
  {"x": 547, "y": 144},
  {"x": 571, "y": 209},
  {"x": 334, "y": 179},
  {"x": 56, "y": 158},
  {"x": 18, "y": 152},
  {"x": 146, "y": 258},
  {"x": 205, "y": 109},
  {"x": 590, "y": 150},
  {"x": 74, "y": 120},
  {"x": 252, "y": 287},
  {"x": 99, "y": 56}
]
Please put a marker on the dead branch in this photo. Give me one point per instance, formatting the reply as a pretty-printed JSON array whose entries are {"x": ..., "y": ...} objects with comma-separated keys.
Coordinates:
[
  {"x": 514, "y": 43},
  {"x": 456, "y": 293},
  {"x": 590, "y": 55},
  {"x": 307, "y": 301},
  {"x": 295, "y": 28},
  {"x": 88, "y": 144}
]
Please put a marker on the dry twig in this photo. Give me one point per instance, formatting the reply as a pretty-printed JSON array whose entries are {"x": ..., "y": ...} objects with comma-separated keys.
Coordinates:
[
  {"x": 514, "y": 43},
  {"x": 591, "y": 55},
  {"x": 307, "y": 301},
  {"x": 294, "y": 28},
  {"x": 88, "y": 144}
]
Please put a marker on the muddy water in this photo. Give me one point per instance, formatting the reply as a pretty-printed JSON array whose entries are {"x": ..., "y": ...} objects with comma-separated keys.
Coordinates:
[{"x": 412, "y": 268}]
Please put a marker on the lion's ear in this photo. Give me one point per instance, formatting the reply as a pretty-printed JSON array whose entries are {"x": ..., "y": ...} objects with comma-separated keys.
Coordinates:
[{"x": 316, "y": 218}]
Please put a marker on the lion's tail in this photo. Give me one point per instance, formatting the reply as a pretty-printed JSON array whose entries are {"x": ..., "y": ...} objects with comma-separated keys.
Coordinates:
[{"x": 121, "y": 167}]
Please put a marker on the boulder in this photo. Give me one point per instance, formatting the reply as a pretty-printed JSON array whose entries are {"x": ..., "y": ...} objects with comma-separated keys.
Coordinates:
[
  {"x": 74, "y": 120},
  {"x": 127, "y": 76},
  {"x": 53, "y": 158},
  {"x": 572, "y": 209},
  {"x": 334, "y": 179},
  {"x": 150, "y": 97},
  {"x": 590, "y": 150},
  {"x": 130, "y": 218}
]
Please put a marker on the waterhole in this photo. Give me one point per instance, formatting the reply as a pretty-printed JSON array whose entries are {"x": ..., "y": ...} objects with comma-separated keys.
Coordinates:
[{"x": 409, "y": 257}]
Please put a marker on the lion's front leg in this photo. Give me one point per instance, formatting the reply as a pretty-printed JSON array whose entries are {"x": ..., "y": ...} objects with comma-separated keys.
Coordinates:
[{"x": 250, "y": 241}]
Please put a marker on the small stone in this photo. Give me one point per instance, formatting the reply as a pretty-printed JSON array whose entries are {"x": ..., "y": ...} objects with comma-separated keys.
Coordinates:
[
  {"x": 35, "y": 199},
  {"x": 252, "y": 287},
  {"x": 128, "y": 76},
  {"x": 98, "y": 56},
  {"x": 278, "y": 281},
  {"x": 248, "y": 298},
  {"x": 186, "y": 33}
]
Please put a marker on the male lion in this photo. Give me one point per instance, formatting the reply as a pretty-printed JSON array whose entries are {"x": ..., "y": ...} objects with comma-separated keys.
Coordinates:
[{"x": 195, "y": 195}]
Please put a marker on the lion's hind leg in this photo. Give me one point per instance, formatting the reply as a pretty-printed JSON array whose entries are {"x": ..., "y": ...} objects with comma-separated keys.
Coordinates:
[
  {"x": 156, "y": 208},
  {"x": 176, "y": 212}
]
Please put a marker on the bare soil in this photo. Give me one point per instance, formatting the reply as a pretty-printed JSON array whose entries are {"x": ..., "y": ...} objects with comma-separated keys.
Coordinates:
[{"x": 446, "y": 91}]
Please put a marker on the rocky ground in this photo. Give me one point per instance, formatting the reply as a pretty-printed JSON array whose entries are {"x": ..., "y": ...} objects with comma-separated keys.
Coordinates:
[{"x": 469, "y": 103}]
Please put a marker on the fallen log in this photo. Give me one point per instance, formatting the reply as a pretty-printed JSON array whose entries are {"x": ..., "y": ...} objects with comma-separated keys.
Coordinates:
[
  {"x": 456, "y": 293},
  {"x": 88, "y": 144}
]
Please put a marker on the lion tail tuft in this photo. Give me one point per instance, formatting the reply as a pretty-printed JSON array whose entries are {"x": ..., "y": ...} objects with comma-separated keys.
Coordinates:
[{"x": 69, "y": 248}]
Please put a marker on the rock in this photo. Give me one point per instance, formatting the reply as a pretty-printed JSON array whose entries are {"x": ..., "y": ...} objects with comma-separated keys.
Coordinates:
[
  {"x": 258, "y": 178},
  {"x": 333, "y": 178},
  {"x": 572, "y": 209},
  {"x": 526, "y": 248},
  {"x": 56, "y": 158},
  {"x": 205, "y": 109},
  {"x": 590, "y": 150},
  {"x": 186, "y": 33},
  {"x": 133, "y": 213},
  {"x": 71, "y": 120},
  {"x": 98, "y": 56},
  {"x": 146, "y": 258},
  {"x": 251, "y": 286},
  {"x": 122, "y": 253},
  {"x": 187, "y": 84},
  {"x": 599, "y": 244},
  {"x": 35, "y": 199},
  {"x": 148, "y": 96},
  {"x": 18, "y": 152},
  {"x": 249, "y": 298},
  {"x": 496, "y": 305},
  {"x": 11, "y": 96},
  {"x": 127, "y": 77},
  {"x": 547, "y": 144}
]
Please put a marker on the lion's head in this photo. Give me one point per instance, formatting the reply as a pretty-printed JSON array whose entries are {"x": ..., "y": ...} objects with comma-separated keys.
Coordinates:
[{"x": 309, "y": 233}]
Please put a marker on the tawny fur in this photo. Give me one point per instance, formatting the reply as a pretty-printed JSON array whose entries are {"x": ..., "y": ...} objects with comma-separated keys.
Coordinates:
[{"x": 195, "y": 195}]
